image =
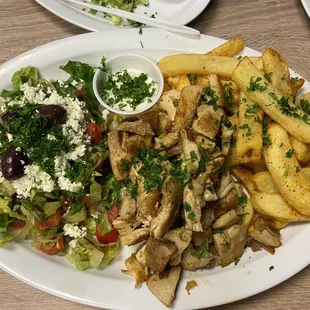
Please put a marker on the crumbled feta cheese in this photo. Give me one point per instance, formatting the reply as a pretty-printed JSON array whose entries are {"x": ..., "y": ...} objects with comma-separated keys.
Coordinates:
[
  {"x": 29, "y": 92},
  {"x": 74, "y": 231},
  {"x": 10, "y": 137},
  {"x": 34, "y": 177},
  {"x": 18, "y": 149},
  {"x": 1, "y": 177},
  {"x": 51, "y": 137},
  {"x": 22, "y": 162},
  {"x": 105, "y": 114},
  {"x": 78, "y": 152},
  {"x": 74, "y": 83},
  {"x": 63, "y": 182},
  {"x": 73, "y": 243}
]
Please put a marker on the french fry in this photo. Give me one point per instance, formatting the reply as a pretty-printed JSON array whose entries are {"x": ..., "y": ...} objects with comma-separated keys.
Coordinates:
[
  {"x": 197, "y": 64},
  {"x": 203, "y": 80},
  {"x": 249, "y": 143},
  {"x": 247, "y": 212},
  {"x": 229, "y": 48},
  {"x": 275, "y": 206},
  {"x": 285, "y": 170},
  {"x": 246, "y": 178},
  {"x": 166, "y": 87},
  {"x": 216, "y": 86},
  {"x": 276, "y": 67},
  {"x": 257, "y": 167},
  {"x": 302, "y": 150},
  {"x": 182, "y": 82},
  {"x": 306, "y": 171},
  {"x": 280, "y": 224},
  {"x": 258, "y": 63},
  {"x": 304, "y": 97},
  {"x": 173, "y": 80},
  {"x": 266, "y": 97},
  {"x": 296, "y": 86},
  {"x": 265, "y": 183}
]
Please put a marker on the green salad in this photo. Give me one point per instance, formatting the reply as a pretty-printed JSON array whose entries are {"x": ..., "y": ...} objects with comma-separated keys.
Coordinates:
[
  {"x": 56, "y": 184},
  {"x": 126, "y": 5}
]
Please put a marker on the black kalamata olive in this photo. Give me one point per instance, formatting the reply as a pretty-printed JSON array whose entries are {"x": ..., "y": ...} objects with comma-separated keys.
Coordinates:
[
  {"x": 13, "y": 163},
  {"x": 6, "y": 116},
  {"x": 54, "y": 113}
]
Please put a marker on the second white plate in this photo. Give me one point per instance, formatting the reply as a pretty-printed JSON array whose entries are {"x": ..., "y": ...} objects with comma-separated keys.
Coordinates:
[{"x": 176, "y": 11}]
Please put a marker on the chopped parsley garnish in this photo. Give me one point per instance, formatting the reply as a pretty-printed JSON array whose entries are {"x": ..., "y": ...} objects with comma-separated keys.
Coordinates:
[
  {"x": 140, "y": 31},
  {"x": 187, "y": 207},
  {"x": 244, "y": 99},
  {"x": 246, "y": 126},
  {"x": 75, "y": 171},
  {"x": 286, "y": 172},
  {"x": 251, "y": 110},
  {"x": 201, "y": 252},
  {"x": 254, "y": 85},
  {"x": 193, "y": 155},
  {"x": 239, "y": 57},
  {"x": 233, "y": 142},
  {"x": 294, "y": 80},
  {"x": 191, "y": 216},
  {"x": 237, "y": 260},
  {"x": 305, "y": 106},
  {"x": 203, "y": 161},
  {"x": 125, "y": 165},
  {"x": 267, "y": 76},
  {"x": 141, "y": 44},
  {"x": 210, "y": 98},
  {"x": 227, "y": 123},
  {"x": 297, "y": 169},
  {"x": 228, "y": 245},
  {"x": 192, "y": 78},
  {"x": 131, "y": 188},
  {"x": 127, "y": 90},
  {"x": 180, "y": 175},
  {"x": 228, "y": 93},
  {"x": 217, "y": 231},
  {"x": 271, "y": 268},
  {"x": 290, "y": 153},
  {"x": 243, "y": 200}
]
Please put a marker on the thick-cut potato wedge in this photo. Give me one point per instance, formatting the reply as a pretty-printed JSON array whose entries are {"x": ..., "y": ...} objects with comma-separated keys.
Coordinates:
[
  {"x": 249, "y": 138},
  {"x": 202, "y": 80},
  {"x": 297, "y": 85},
  {"x": 182, "y": 82},
  {"x": 197, "y": 64},
  {"x": 280, "y": 224},
  {"x": 302, "y": 150},
  {"x": 173, "y": 80},
  {"x": 229, "y": 48},
  {"x": 247, "y": 212},
  {"x": 276, "y": 66},
  {"x": 306, "y": 171},
  {"x": 166, "y": 87},
  {"x": 247, "y": 72},
  {"x": 257, "y": 167},
  {"x": 275, "y": 206},
  {"x": 265, "y": 183},
  {"x": 216, "y": 86},
  {"x": 285, "y": 170},
  {"x": 305, "y": 97},
  {"x": 245, "y": 176},
  {"x": 258, "y": 62}
]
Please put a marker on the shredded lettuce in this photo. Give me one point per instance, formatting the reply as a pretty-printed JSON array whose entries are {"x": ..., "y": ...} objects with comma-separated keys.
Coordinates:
[
  {"x": 24, "y": 75},
  {"x": 4, "y": 207},
  {"x": 4, "y": 222},
  {"x": 50, "y": 208},
  {"x": 76, "y": 214},
  {"x": 7, "y": 189},
  {"x": 90, "y": 225}
]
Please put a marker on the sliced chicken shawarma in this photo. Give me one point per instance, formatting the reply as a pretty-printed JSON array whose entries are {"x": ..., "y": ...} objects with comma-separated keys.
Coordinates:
[
  {"x": 226, "y": 220},
  {"x": 163, "y": 286},
  {"x": 227, "y": 133},
  {"x": 117, "y": 156},
  {"x": 136, "y": 269},
  {"x": 127, "y": 206},
  {"x": 181, "y": 238},
  {"x": 169, "y": 207},
  {"x": 190, "y": 152},
  {"x": 186, "y": 110},
  {"x": 166, "y": 140},
  {"x": 192, "y": 210},
  {"x": 132, "y": 143},
  {"x": 138, "y": 127},
  {"x": 158, "y": 253},
  {"x": 230, "y": 244},
  {"x": 191, "y": 260},
  {"x": 167, "y": 102}
]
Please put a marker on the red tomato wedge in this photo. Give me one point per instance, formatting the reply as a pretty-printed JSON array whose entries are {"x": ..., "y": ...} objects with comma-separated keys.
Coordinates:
[
  {"x": 94, "y": 131},
  {"x": 107, "y": 238},
  {"x": 51, "y": 222},
  {"x": 58, "y": 246},
  {"x": 17, "y": 224}
]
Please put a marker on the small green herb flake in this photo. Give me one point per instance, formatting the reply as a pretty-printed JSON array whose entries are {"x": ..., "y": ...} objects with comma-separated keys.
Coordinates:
[
  {"x": 236, "y": 260},
  {"x": 228, "y": 245},
  {"x": 201, "y": 252},
  {"x": 243, "y": 200},
  {"x": 141, "y": 44},
  {"x": 191, "y": 216},
  {"x": 294, "y": 80},
  {"x": 193, "y": 155},
  {"x": 297, "y": 169},
  {"x": 217, "y": 231},
  {"x": 271, "y": 268},
  {"x": 268, "y": 76},
  {"x": 239, "y": 57},
  {"x": 286, "y": 172},
  {"x": 244, "y": 99},
  {"x": 246, "y": 126},
  {"x": 251, "y": 110},
  {"x": 187, "y": 207},
  {"x": 125, "y": 165},
  {"x": 255, "y": 85},
  {"x": 140, "y": 31},
  {"x": 290, "y": 153}
]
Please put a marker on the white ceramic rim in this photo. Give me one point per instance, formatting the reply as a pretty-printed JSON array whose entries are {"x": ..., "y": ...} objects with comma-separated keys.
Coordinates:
[
  {"x": 306, "y": 5},
  {"x": 110, "y": 289},
  {"x": 154, "y": 98}
]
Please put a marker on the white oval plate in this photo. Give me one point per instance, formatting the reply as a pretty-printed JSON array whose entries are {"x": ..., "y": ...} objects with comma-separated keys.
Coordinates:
[
  {"x": 177, "y": 11},
  {"x": 110, "y": 288},
  {"x": 306, "y": 4}
]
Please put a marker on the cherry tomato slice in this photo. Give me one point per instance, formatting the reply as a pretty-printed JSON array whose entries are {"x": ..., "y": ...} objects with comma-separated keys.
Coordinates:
[
  {"x": 58, "y": 246},
  {"x": 107, "y": 238},
  {"x": 94, "y": 131},
  {"x": 17, "y": 224},
  {"x": 51, "y": 222}
]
